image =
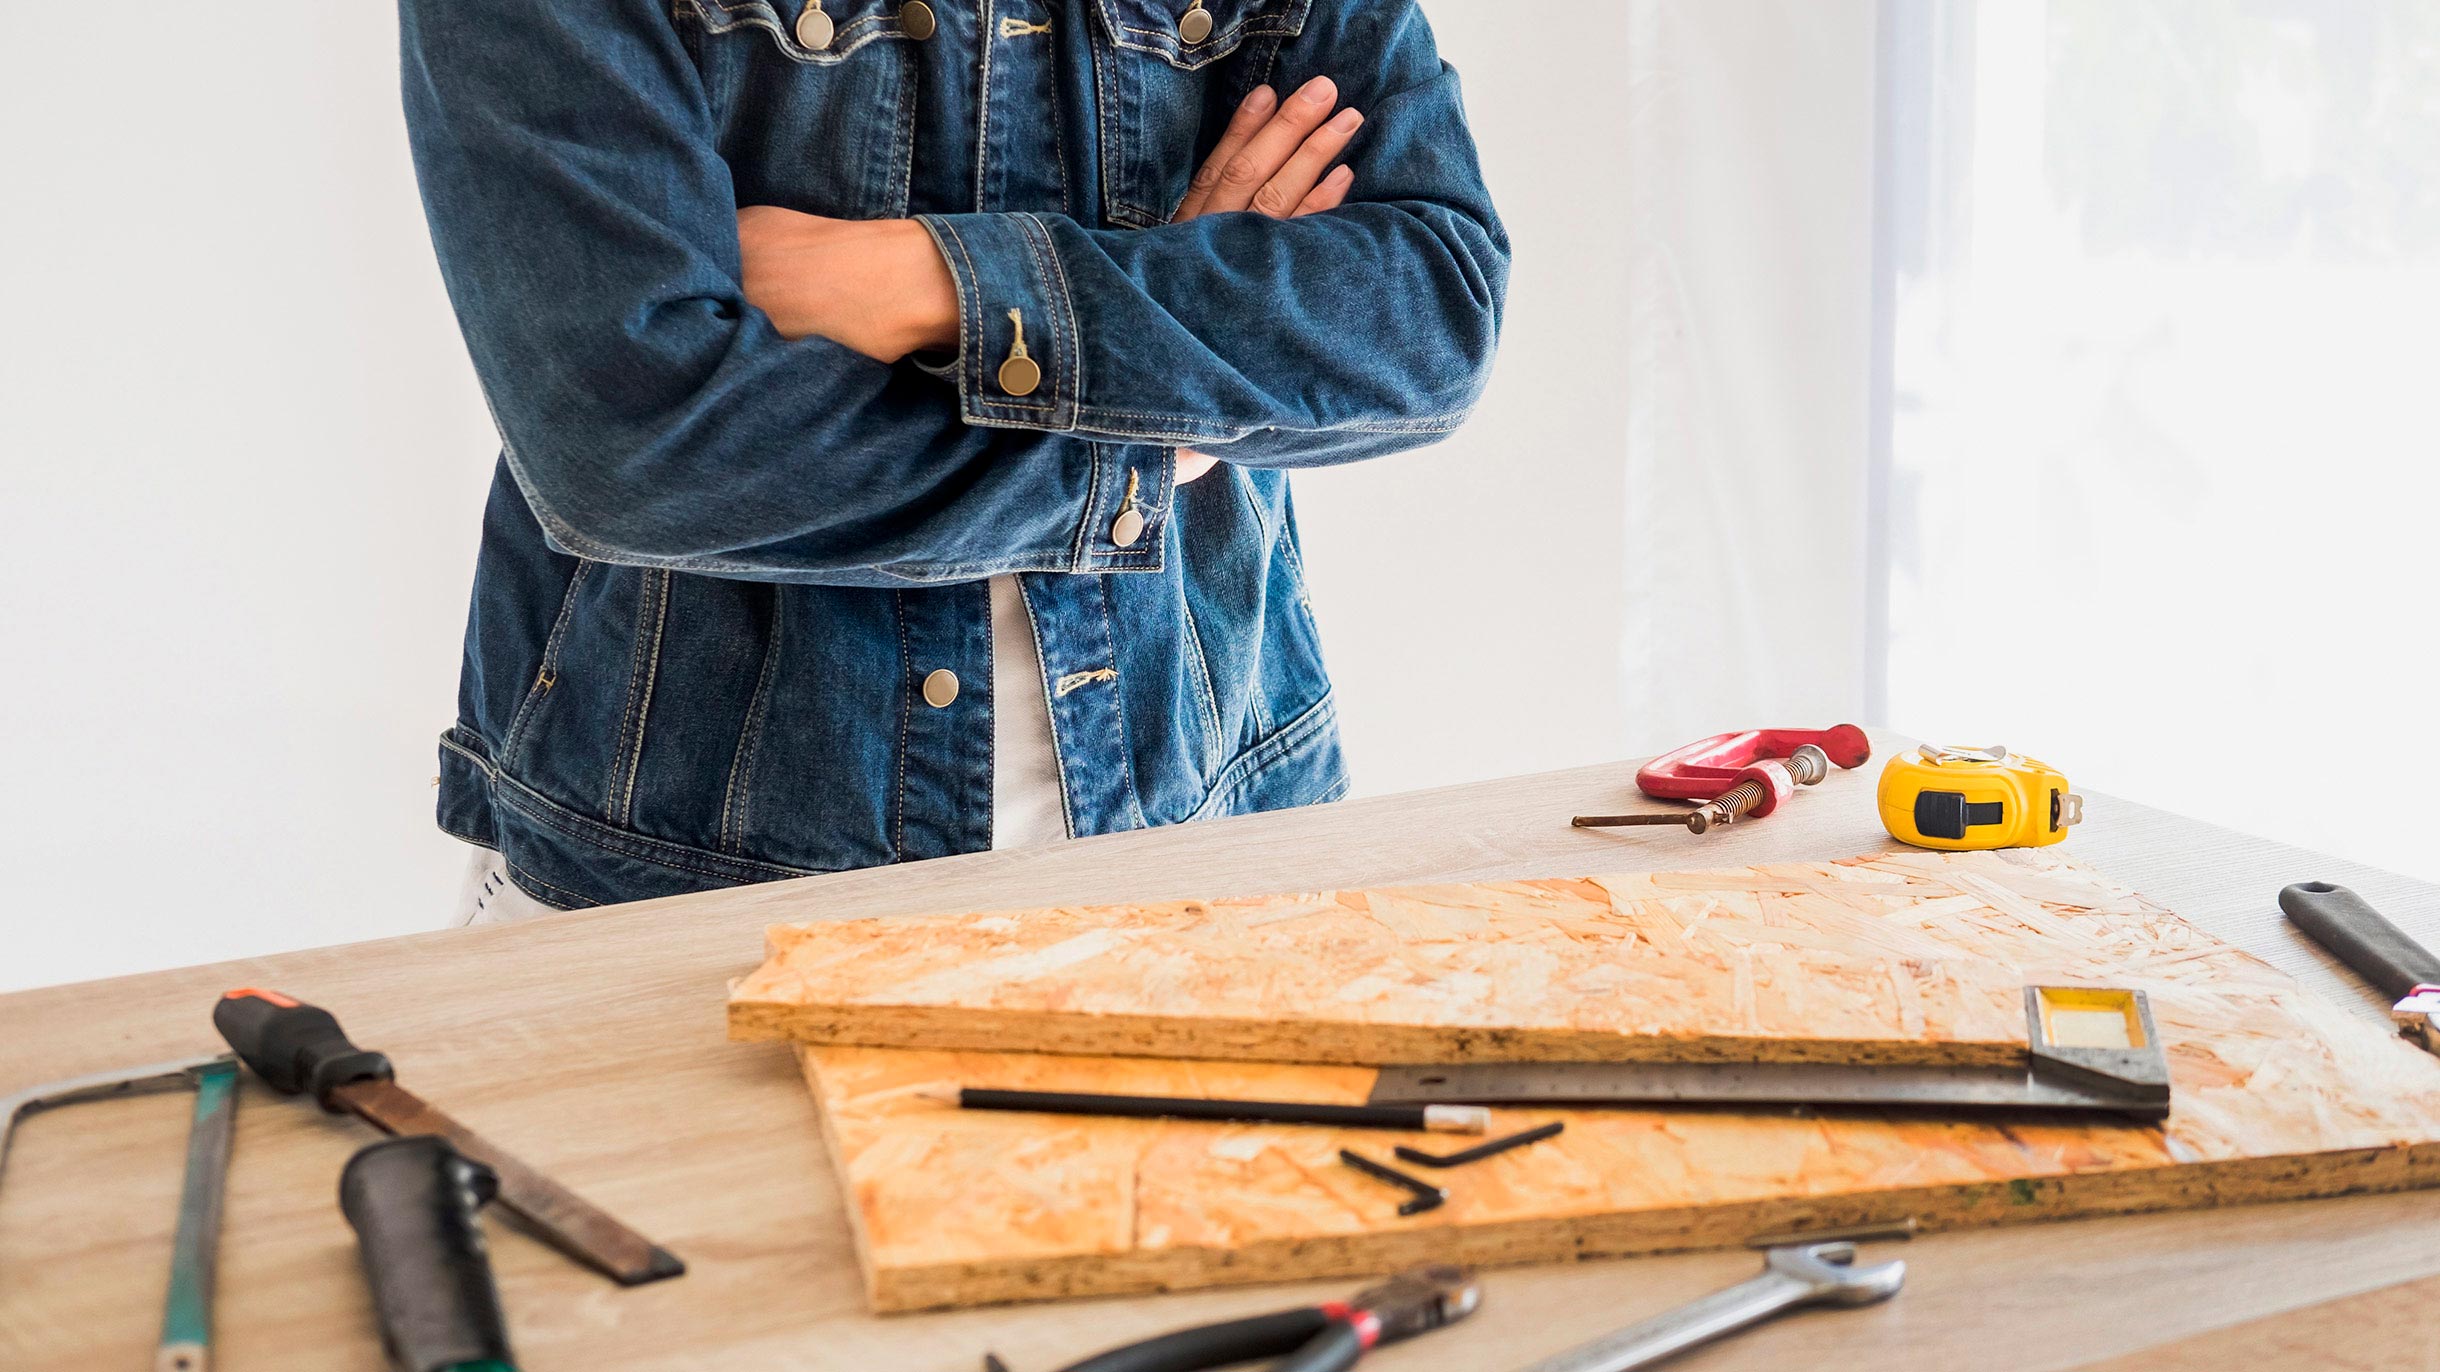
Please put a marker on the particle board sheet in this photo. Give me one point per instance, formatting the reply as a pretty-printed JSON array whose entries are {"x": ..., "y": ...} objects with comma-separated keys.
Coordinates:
[
  {"x": 2277, "y": 1095},
  {"x": 1818, "y": 962}
]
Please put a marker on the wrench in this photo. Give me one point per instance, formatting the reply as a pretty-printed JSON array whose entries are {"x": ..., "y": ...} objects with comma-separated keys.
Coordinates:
[{"x": 1799, "y": 1275}]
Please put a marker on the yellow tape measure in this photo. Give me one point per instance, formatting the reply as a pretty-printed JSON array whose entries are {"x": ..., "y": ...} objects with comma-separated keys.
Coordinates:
[{"x": 1957, "y": 798}]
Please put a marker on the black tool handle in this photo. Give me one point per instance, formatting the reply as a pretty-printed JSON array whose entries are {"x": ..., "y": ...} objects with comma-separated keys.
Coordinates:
[
  {"x": 2340, "y": 920},
  {"x": 294, "y": 1046},
  {"x": 1413, "y": 1118},
  {"x": 1215, "y": 1345},
  {"x": 413, "y": 1203},
  {"x": 1335, "y": 1349}
]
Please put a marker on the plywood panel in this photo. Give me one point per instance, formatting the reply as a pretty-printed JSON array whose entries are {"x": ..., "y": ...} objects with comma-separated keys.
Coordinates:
[
  {"x": 2277, "y": 1095},
  {"x": 1787, "y": 962}
]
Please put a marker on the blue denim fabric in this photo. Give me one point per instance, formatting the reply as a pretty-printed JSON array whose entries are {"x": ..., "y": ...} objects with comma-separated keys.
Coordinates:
[{"x": 718, "y": 564}]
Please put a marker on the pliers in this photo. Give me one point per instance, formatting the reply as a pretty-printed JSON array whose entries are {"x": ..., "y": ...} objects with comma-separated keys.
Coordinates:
[{"x": 1316, "y": 1338}]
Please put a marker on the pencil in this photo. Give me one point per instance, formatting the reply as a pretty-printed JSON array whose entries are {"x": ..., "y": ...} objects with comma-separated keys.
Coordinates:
[{"x": 1438, "y": 1119}]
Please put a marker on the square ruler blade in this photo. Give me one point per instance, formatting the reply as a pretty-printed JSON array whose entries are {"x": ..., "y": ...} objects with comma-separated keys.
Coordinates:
[{"x": 2088, "y": 1049}]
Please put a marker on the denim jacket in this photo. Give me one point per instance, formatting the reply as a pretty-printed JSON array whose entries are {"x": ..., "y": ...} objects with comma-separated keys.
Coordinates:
[{"x": 720, "y": 567}]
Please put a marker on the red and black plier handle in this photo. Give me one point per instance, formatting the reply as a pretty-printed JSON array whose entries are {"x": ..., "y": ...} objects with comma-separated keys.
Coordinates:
[{"x": 1316, "y": 1338}]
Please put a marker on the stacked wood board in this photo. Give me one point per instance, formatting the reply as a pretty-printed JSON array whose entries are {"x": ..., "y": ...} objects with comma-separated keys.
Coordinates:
[
  {"x": 1598, "y": 968},
  {"x": 1909, "y": 957}
]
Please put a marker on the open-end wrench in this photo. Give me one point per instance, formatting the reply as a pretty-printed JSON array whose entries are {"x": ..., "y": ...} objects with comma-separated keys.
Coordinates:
[{"x": 1808, "y": 1274}]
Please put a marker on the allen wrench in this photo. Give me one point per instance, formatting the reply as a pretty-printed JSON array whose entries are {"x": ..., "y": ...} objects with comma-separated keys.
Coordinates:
[
  {"x": 1479, "y": 1151},
  {"x": 1422, "y": 1195}
]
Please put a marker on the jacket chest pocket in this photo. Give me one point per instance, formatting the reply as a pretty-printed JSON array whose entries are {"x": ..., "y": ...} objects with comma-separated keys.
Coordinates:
[
  {"x": 1167, "y": 76},
  {"x": 814, "y": 100}
]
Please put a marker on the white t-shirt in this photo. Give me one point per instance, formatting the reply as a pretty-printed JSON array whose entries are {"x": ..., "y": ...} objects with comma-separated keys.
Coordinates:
[{"x": 1026, "y": 805}]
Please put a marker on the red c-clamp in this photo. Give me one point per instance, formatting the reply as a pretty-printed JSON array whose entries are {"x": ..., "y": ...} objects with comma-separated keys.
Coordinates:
[{"x": 1739, "y": 774}]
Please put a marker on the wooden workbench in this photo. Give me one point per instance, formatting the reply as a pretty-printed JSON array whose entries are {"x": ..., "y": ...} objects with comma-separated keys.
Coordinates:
[{"x": 593, "y": 1045}]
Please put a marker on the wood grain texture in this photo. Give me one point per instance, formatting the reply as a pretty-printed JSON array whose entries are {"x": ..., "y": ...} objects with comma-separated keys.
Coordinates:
[
  {"x": 2391, "y": 1329},
  {"x": 595, "y": 1045},
  {"x": 1792, "y": 962},
  {"x": 2278, "y": 1096}
]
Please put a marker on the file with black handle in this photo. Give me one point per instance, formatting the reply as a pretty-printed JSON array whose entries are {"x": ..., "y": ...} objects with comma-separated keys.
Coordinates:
[
  {"x": 2380, "y": 952},
  {"x": 298, "y": 1048}
]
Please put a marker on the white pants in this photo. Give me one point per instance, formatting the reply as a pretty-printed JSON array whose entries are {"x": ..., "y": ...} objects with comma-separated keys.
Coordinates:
[{"x": 488, "y": 897}]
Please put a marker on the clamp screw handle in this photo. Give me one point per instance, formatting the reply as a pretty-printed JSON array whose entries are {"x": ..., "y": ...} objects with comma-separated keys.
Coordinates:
[{"x": 1806, "y": 767}]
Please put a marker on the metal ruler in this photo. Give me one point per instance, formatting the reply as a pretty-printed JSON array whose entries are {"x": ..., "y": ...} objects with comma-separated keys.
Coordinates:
[{"x": 2088, "y": 1048}]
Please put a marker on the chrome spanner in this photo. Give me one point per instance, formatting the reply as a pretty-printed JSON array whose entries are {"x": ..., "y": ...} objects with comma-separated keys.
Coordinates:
[{"x": 1799, "y": 1275}]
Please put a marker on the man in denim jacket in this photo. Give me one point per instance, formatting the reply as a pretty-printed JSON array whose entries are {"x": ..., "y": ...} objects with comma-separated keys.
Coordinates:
[{"x": 1005, "y": 273}]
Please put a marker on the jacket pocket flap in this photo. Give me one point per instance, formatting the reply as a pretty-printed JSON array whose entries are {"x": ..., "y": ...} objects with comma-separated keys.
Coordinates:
[
  {"x": 1160, "y": 26},
  {"x": 853, "y": 24}
]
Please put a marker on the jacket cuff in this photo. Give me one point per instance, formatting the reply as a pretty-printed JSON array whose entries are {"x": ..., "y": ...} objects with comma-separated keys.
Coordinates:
[
  {"x": 1126, "y": 517},
  {"x": 1019, "y": 363}
]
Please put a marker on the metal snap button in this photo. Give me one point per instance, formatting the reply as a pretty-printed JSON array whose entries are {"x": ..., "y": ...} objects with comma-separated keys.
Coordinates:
[
  {"x": 940, "y": 689},
  {"x": 813, "y": 28},
  {"x": 1196, "y": 24},
  {"x": 1127, "y": 528},
  {"x": 916, "y": 21},
  {"x": 1020, "y": 373}
]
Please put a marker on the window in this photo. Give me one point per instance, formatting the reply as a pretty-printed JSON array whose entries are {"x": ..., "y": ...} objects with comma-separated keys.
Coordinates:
[{"x": 2161, "y": 351}]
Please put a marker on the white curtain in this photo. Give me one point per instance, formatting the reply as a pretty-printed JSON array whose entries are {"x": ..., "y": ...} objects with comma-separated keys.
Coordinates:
[
  {"x": 2056, "y": 373},
  {"x": 1747, "y": 393},
  {"x": 2160, "y": 472}
]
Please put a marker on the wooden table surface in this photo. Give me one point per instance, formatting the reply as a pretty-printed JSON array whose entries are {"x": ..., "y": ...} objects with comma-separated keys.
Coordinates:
[{"x": 593, "y": 1045}]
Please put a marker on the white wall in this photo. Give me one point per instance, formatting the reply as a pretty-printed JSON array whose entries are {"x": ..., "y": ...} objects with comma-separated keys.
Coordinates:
[
  {"x": 1751, "y": 239},
  {"x": 1471, "y": 594},
  {"x": 2163, "y": 459},
  {"x": 242, "y": 457},
  {"x": 1654, "y": 528}
]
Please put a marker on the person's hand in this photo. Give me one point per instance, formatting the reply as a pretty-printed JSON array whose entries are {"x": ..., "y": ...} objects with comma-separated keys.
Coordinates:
[
  {"x": 1276, "y": 158},
  {"x": 878, "y": 286},
  {"x": 1273, "y": 159}
]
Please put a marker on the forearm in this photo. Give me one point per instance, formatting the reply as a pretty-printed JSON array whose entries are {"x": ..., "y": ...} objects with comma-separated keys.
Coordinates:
[
  {"x": 878, "y": 286},
  {"x": 1324, "y": 337},
  {"x": 804, "y": 463},
  {"x": 1376, "y": 317},
  {"x": 1248, "y": 331}
]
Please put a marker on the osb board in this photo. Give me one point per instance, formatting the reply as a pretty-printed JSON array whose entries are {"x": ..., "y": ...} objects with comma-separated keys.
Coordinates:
[
  {"x": 1789, "y": 963},
  {"x": 2277, "y": 1095}
]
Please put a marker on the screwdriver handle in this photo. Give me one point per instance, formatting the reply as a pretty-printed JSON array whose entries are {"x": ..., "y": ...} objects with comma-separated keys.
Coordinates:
[
  {"x": 2356, "y": 934},
  {"x": 293, "y": 1046},
  {"x": 413, "y": 1204}
]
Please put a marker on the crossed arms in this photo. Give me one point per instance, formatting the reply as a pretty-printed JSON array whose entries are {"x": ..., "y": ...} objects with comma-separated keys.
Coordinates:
[
  {"x": 882, "y": 287},
  {"x": 670, "y": 392}
]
